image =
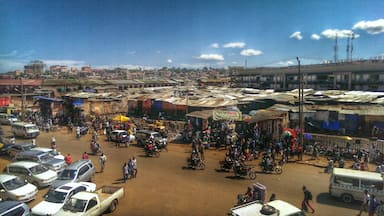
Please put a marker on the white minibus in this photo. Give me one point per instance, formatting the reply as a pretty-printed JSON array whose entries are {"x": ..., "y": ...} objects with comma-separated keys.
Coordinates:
[
  {"x": 25, "y": 130},
  {"x": 350, "y": 184}
]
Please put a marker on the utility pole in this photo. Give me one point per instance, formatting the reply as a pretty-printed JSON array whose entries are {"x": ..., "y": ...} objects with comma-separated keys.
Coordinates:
[{"x": 301, "y": 103}]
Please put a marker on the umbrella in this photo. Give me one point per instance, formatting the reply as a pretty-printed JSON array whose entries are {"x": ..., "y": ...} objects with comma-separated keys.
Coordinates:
[{"x": 121, "y": 118}]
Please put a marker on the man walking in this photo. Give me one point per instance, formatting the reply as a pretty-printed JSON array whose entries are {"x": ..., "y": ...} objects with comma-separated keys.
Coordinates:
[
  {"x": 102, "y": 160},
  {"x": 307, "y": 197},
  {"x": 364, "y": 205}
]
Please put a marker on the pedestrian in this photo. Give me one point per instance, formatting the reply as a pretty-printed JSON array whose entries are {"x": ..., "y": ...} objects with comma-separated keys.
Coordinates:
[
  {"x": 273, "y": 197},
  {"x": 130, "y": 168},
  {"x": 125, "y": 172},
  {"x": 134, "y": 163},
  {"x": 372, "y": 204},
  {"x": 68, "y": 159},
  {"x": 307, "y": 197},
  {"x": 85, "y": 156},
  {"x": 201, "y": 150},
  {"x": 364, "y": 205},
  {"x": 78, "y": 132},
  {"x": 380, "y": 209},
  {"x": 102, "y": 160},
  {"x": 53, "y": 143}
]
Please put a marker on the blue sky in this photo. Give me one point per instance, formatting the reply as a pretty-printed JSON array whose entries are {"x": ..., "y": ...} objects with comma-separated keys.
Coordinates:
[{"x": 186, "y": 33}]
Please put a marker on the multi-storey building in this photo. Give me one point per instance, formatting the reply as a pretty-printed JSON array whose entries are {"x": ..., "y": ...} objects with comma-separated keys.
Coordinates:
[
  {"x": 364, "y": 75},
  {"x": 34, "y": 68}
]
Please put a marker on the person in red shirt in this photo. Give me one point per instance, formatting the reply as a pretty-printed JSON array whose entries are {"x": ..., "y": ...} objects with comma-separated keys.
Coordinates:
[
  {"x": 85, "y": 156},
  {"x": 68, "y": 159}
]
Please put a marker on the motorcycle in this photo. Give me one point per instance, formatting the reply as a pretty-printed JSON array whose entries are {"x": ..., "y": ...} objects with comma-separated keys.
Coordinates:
[
  {"x": 274, "y": 168},
  {"x": 152, "y": 151},
  {"x": 271, "y": 167},
  {"x": 241, "y": 171},
  {"x": 226, "y": 165},
  {"x": 198, "y": 163}
]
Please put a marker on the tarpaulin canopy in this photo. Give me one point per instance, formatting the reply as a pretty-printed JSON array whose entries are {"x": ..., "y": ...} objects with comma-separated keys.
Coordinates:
[
  {"x": 204, "y": 114},
  {"x": 121, "y": 118},
  {"x": 263, "y": 115},
  {"x": 47, "y": 99}
]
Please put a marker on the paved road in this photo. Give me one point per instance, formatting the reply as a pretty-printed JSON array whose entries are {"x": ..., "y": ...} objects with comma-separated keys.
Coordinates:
[{"x": 164, "y": 188}]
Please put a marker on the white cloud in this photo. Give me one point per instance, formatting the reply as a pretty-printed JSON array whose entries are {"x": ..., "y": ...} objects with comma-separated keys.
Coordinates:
[
  {"x": 296, "y": 35},
  {"x": 331, "y": 33},
  {"x": 315, "y": 37},
  {"x": 250, "y": 52},
  {"x": 286, "y": 63},
  {"x": 64, "y": 62},
  {"x": 215, "y": 57},
  {"x": 169, "y": 61},
  {"x": 131, "y": 52},
  {"x": 11, "y": 64},
  {"x": 215, "y": 45},
  {"x": 372, "y": 27},
  {"x": 10, "y": 54},
  {"x": 234, "y": 45}
]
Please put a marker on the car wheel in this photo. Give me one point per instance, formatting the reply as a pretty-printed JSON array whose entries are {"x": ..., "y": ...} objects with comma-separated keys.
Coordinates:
[
  {"x": 347, "y": 198},
  {"x": 113, "y": 205}
]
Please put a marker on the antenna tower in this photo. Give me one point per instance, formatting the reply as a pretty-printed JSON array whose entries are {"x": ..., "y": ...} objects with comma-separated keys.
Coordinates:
[
  {"x": 335, "y": 48},
  {"x": 351, "y": 49},
  {"x": 348, "y": 42}
]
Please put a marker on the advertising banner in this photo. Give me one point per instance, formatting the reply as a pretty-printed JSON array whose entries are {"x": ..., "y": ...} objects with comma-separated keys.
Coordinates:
[{"x": 227, "y": 115}]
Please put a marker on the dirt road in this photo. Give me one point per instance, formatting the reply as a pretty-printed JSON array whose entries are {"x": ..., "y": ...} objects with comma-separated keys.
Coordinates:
[{"x": 163, "y": 187}]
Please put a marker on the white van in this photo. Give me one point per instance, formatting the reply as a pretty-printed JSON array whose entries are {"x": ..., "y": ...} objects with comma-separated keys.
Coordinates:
[
  {"x": 25, "y": 130},
  {"x": 350, "y": 184},
  {"x": 7, "y": 119},
  {"x": 273, "y": 208}
]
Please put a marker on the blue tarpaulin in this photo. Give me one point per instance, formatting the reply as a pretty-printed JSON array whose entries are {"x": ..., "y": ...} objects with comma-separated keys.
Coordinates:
[
  {"x": 77, "y": 102},
  {"x": 47, "y": 99},
  {"x": 331, "y": 125}
]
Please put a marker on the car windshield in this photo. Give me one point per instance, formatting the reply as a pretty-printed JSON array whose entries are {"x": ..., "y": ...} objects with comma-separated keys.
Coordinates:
[
  {"x": 14, "y": 184},
  {"x": 68, "y": 175},
  {"x": 38, "y": 169},
  {"x": 75, "y": 205},
  {"x": 46, "y": 157},
  {"x": 55, "y": 196}
]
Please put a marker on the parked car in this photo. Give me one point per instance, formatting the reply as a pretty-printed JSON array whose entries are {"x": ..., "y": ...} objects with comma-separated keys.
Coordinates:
[
  {"x": 33, "y": 172},
  {"x": 143, "y": 135},
  {"x": 51, "y": 152},
  {"x": 14, "y": 208},
  {"x": 14, "y": 188},
  {"x": 103, "y": 200},
  {"x": 13, "y": 149},
  {"x": 56, "y": 198},
  {"x": 7, "y": 119},
  {"x": 43, "y": 158},
  {"x": 78, "y": 171}
]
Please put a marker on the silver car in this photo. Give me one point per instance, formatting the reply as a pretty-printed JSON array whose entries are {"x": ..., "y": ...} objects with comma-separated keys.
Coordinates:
[
  {"x": 78, "y": 171},
  {"x": 33, "y": 172},
  {"x": 44, "y": 158},
  {"x": 14, "y": 188},
  {"x": 8, "y": 208}
]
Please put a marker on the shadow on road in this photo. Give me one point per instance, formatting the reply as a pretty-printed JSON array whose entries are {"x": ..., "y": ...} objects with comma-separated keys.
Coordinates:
[
  {"x": 236, "y": 177},
  {"x": 324, "y": 198}
]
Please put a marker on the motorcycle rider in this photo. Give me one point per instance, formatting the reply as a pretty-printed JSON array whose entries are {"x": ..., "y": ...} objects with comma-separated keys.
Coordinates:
[{"x": 238, "y": 167}]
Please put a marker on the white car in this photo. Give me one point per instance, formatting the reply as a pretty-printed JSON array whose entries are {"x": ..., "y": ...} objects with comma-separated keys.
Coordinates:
[
  {"x": 55, "y": 198},
  {"x": 52, "y": 152},
  {"x": 33, "y": 172},
  {"x": 14, "y": 188}
]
